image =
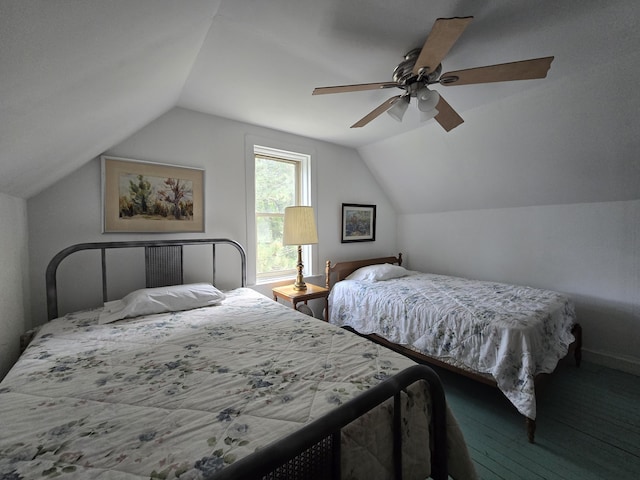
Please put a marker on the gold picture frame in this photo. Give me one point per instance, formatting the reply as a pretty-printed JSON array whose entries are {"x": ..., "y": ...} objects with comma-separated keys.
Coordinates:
[{"x": 141, "y": 196}]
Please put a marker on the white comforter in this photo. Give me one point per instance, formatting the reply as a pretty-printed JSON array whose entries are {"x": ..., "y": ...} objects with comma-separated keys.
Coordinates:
[
  {"x": 183, "y": 395},
  {"x": 511, "y": 332}
]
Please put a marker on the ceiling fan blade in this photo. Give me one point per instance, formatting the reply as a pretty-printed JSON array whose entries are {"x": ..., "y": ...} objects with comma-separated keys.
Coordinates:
[
  {"x": 447, "y": 117},
  {"x": 504, "y": 72},
  {"x": 376, "y": 112},
  {"x": 443, "y": 35},
  {"x": 353, "y": 88}
]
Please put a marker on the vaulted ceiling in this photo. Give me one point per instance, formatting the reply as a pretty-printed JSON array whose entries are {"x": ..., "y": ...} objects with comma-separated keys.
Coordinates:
[{"x": 78, "y": 77}]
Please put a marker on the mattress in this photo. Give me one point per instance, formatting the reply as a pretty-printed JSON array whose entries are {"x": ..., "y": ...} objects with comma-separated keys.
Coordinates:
[
  {"x": 185, "y": 394},
  {"x": 509, "y": 332}
]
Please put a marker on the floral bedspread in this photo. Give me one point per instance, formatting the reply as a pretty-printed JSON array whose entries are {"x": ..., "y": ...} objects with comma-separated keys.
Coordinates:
[
  {"x": 510, "y": 332},
  {"x": 183, "y": 395}
]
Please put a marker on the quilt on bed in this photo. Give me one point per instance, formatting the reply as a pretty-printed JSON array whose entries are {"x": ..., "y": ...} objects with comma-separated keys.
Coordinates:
[
  {"x": 511, "y": 332},
  {"x": 183, "y": 394}
]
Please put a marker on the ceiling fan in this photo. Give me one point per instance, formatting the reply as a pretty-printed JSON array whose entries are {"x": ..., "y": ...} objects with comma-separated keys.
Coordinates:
[{"x": 422, "y": 68}]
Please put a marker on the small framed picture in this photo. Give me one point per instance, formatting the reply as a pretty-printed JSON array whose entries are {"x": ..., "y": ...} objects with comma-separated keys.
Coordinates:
[
  {"x": 151, "y": 197},
  {"x": 358, "y": 223}
]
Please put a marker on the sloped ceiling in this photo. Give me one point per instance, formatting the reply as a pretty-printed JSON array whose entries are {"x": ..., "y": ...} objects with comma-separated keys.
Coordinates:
[{"x": 78, "y": 77}]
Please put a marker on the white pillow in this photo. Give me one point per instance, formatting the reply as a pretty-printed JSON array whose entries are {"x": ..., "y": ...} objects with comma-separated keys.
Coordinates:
[
  {"x": 373, "y": 273},
  {"x": 148, "y": 301}
]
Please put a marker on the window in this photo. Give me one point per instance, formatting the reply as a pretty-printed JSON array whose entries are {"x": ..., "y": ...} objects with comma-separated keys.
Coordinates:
[{"x": 282, "y": 179}]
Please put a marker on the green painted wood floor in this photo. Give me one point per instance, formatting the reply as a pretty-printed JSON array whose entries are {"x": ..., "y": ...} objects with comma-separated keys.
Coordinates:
[{"x": 588, "y": 426}]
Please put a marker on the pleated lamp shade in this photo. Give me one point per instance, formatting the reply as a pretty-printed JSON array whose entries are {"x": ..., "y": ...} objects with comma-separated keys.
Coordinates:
[{"x": 299, "y": 226}]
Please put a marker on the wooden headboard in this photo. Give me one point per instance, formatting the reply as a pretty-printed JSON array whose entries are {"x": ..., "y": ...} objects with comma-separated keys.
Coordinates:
[
  {"x": 342, "y": 270},
  {"x": 163, "y": 261}
]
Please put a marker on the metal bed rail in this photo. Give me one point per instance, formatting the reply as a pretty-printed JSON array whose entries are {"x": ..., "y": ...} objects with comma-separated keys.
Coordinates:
[
  {"x": 271, "y": 461},
  {"x": 163, "y": 262}
]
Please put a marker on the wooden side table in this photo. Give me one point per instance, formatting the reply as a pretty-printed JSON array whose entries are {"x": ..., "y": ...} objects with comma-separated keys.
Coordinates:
[{"x": 288, "y": 294}]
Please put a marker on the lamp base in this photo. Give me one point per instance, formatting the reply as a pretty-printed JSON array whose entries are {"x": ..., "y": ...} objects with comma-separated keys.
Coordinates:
[{"x": 299, "y": 285}]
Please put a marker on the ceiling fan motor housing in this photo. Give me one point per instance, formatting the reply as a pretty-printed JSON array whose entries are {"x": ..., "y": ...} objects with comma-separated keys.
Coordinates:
[{"x": 405, "y": 78}]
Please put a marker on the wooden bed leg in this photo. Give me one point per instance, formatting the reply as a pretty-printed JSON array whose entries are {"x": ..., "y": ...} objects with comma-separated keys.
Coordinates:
[
  {"x": 577, "y": 333},
  {"x": 531, "y": 429}
]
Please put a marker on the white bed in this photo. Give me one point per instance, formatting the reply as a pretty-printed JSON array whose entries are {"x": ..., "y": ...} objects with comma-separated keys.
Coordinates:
[
  {"x": 507, "y": 334},
  {"x": 203, "y": 392}
]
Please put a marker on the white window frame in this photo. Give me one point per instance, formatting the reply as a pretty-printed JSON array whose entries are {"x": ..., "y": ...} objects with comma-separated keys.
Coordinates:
[{"x": 257, "y": 146}]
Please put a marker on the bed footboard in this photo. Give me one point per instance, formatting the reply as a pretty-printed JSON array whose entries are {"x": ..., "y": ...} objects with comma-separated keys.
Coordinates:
[{"x": 296, "y": 456}]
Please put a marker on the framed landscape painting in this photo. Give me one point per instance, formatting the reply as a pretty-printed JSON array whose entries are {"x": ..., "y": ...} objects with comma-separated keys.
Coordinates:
[
  {"x": 151, "y": 197},
  {"x": 358, "y": 223}
]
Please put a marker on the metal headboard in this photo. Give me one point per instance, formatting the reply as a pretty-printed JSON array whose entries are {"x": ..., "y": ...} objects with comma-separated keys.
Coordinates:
[{"x": 163, "y": 263}]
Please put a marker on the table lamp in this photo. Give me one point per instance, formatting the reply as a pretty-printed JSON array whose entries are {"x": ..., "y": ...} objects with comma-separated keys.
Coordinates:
[{"x": 299, "y": 229}]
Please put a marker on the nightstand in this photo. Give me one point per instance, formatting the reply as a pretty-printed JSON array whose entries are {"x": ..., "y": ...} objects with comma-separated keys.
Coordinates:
[{"x": 288, "y": 294}]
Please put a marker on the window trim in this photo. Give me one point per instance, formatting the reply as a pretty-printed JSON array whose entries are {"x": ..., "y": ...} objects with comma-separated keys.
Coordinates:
[{"x": 268, "y": 147}]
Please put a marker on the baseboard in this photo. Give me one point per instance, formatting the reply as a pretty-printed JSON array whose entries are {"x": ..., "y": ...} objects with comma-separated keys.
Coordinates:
[{"x": 627, "y": 365}]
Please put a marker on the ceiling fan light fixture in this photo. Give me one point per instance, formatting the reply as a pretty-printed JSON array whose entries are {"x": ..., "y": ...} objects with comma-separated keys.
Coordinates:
[
  {"x": 427, "y": 100},
  {"x": 398, "y": 108},
  {"x": 428, "y": 115}
]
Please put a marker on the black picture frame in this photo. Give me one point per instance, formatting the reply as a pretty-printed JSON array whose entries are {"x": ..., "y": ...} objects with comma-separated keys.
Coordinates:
[{"x": 358, "y": 223}]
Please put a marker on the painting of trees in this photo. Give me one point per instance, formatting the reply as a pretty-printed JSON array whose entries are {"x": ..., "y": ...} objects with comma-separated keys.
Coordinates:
[
  {"x": 140, "y": 193},
  {"x": 142, "y": 196},
  {"x": 173, "y": 193},
  {"x": 158, "y": 198}
]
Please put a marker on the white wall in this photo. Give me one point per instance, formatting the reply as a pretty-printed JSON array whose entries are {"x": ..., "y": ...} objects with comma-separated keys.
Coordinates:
[
  {"x": 539, "y": 187},
  {"x": 70, "y": 211},
  {"x": 589, "y": 251},
  {"x": 13, "y": 278}
]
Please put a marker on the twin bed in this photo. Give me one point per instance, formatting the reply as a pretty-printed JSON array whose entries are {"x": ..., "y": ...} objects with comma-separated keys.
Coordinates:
[
  {"x": 190, "y": 382},
  {"x": 503, "y": 335}
]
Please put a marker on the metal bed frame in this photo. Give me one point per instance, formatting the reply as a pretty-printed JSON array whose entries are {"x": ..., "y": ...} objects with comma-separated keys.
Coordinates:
[
  {"x": 313, "y": 451},
  {"x": 163, "y": 263}
]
